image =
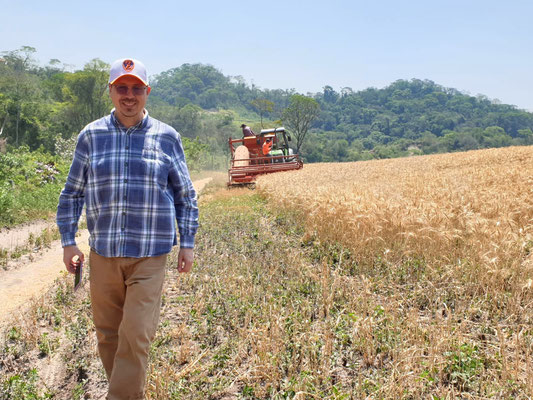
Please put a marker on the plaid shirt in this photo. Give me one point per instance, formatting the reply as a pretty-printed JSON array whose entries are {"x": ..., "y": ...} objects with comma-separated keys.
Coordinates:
[{"x": 135, "y": 184}]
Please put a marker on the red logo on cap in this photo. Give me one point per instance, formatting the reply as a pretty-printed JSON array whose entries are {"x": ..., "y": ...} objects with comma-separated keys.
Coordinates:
[{"x": 128, "y": 65}]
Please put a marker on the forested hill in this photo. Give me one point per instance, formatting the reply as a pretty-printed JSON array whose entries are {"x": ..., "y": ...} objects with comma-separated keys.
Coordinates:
[
  {"x": 406, "y": 117},
  {"x": 44, "y": 106}
]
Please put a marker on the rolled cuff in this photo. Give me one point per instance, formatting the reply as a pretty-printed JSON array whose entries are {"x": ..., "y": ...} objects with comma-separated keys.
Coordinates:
[
  {"x": 68, "y": 239},
  {"x": 187, "y": 241}
]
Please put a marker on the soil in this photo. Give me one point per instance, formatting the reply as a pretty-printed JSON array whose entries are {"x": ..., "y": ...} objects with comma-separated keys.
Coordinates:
[{"x": 36, "y": 273}]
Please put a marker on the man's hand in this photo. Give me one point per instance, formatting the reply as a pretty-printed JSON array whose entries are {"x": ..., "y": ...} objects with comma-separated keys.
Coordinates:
[
  {"x": 69, "y": 254},
  {"x": 185, "y": 259}
]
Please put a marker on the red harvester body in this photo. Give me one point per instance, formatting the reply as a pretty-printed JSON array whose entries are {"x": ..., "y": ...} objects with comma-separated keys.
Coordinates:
[{"x": 264, "y": 153}]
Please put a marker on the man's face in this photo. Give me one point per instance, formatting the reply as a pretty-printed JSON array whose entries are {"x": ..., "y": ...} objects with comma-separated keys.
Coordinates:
[{"x": 129, "y": 96}]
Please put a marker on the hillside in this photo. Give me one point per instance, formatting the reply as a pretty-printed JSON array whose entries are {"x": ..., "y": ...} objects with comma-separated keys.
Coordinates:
[
  {"x": 406, "y": 117},
  {"x": 42, "y": 106}
]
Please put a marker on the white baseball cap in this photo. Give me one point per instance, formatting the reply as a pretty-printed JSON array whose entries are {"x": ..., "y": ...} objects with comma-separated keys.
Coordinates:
[{"x": 125, "y": 67}]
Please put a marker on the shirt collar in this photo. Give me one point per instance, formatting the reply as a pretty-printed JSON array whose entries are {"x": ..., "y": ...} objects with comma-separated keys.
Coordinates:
[{"x": 141, "y": 125}]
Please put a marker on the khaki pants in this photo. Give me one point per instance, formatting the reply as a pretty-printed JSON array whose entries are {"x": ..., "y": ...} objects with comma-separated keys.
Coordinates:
[{"x": 126, "y": 298}]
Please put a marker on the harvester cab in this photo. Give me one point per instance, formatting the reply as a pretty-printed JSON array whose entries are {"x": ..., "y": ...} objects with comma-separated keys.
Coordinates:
[{"x": 267, "y": 152}]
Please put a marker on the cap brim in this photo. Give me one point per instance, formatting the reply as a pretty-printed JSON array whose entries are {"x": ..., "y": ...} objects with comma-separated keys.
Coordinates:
[{"x": 133, "y": 76}]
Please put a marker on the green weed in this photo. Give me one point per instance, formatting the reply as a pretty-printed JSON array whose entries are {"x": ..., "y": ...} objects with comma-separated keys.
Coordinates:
[
  {"x": 22, "y": 387},
  {"x": 463, "y": 367},
  {"x": 46, "y": 345}
]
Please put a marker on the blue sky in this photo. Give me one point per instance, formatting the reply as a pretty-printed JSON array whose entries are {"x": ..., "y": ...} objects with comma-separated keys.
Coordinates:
[{"x": 478, "y": 47}]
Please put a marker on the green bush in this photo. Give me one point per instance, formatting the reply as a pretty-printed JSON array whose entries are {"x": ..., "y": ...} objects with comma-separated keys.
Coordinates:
[
  {"x": 30, "y": 183},
  {"x": 6, "y": 199}
]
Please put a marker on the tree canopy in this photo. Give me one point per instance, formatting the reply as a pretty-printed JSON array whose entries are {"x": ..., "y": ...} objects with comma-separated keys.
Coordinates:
[
  {"x": 299, "y": 115},
  {"x": 41, "y": 104}
]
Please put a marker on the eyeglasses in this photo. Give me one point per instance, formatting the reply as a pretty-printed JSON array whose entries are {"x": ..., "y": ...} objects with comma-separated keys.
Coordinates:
[{"x": 135, "y": 90}]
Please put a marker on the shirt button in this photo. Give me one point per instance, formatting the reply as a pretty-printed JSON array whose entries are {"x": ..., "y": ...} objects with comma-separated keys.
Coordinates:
[
  {"x": 123, "y": 212},
  {"x": 124, "y": 197},
  {"x": 125, "y": 180},
  {"x": 127, "y": 147},
  {"x": 126, "y": 163}
]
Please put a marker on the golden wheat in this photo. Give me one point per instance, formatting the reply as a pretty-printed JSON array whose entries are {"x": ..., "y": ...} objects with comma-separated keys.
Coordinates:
[
  {"x": 474, "y": 207},
  {"x": 444, "y": 245}
]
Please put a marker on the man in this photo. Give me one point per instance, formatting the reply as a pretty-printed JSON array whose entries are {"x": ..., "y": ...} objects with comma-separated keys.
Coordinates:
[
  {"x": 130, "y": 171},
  {"x": 247, "y": 131},
  {"x": 267, "y": 146}
]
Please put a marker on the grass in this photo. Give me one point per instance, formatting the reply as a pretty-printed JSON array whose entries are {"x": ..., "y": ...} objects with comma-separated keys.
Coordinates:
[
  {"x": 23, "y": 387},
  {"x": 34, "y": 243},
  {"x": 29, "y": 205},
  {"x": 48, "y": 351},
  {"x": 30, "y": 183},
  {"x": 273, "y": 314},
  {"x": 442, "y": 244}
]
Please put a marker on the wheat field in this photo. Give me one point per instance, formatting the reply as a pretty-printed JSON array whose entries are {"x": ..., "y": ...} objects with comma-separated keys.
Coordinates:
[
  {"x": 444, "y": 244},
  {"x": 381, "y": 280},
  {"x": 451, "y": 208}
]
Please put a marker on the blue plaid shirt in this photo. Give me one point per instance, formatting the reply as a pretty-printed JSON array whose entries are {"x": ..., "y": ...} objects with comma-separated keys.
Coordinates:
[{"x": 135, "y": 185}]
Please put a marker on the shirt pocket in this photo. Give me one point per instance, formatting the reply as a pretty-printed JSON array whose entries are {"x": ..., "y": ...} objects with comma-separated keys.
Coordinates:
[{"x": 155, "y": 166}]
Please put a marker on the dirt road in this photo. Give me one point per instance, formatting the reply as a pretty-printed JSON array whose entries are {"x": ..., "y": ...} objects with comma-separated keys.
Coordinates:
[{"x": 19, "y": 286}]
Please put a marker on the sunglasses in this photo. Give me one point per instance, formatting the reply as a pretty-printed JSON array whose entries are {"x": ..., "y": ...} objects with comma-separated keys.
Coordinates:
[{"x": 136, "y": 90}]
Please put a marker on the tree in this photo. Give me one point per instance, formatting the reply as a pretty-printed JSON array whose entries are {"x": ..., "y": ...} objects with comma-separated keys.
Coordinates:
[
  {"x": 263, "y": 106},
  {"x": 19, "y": 84},
  {"x": 86, "y": 95},
  {"x": 330, "y": 95},
  {"x": 195, "y": 151},
  {"x": 525, "y": 136},
  {"x": 299, "y": 115},
  {"x": 495, "y": 136}
]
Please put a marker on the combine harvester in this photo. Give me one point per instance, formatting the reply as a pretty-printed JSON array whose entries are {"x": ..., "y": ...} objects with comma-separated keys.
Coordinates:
[{"x": 261, "y": 154}]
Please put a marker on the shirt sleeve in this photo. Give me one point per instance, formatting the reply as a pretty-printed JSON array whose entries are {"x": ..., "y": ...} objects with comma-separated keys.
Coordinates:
[
  {"x": 185, "y": 201},
  {"x": 72, "y": 197}
]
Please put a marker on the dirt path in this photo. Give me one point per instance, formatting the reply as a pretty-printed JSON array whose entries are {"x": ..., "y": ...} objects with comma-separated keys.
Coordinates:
[
  {"x": 200, "y": 184},
  {"x": 19, "y": 286}
]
